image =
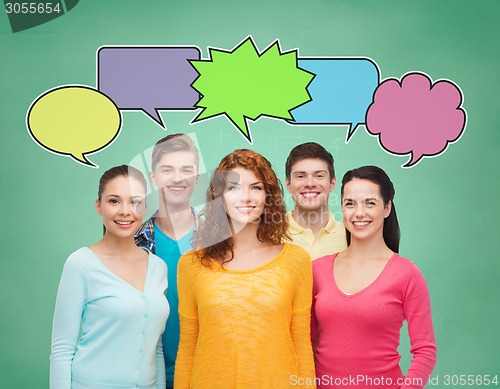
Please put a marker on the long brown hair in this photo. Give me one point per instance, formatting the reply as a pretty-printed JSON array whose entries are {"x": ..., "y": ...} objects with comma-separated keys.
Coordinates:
[
  {"x": 379, "y": 177},
  {"x": 213, "y": 240}
]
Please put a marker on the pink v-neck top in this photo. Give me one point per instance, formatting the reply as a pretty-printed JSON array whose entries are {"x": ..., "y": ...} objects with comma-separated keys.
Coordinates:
[
  {"x": 119, "y": 345},
  {"x": 356, "y": 336}
]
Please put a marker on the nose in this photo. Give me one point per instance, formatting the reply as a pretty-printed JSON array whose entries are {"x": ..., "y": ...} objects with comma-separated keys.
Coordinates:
[
  {"x": 310, "y": 180},
  {"x": 176, "y": 176},
  {"x": 125, "y": 208},
  {"x": 246, "y": 195},
  {"x": 360, "y": 211}
]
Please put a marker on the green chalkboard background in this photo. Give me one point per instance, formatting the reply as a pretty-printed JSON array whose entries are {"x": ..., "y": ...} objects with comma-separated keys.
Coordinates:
[{"x": 448, "y": 206}]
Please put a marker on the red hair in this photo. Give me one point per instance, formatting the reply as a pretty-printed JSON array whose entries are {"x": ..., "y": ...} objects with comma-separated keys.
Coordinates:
[{"x": 273, "y": 224}]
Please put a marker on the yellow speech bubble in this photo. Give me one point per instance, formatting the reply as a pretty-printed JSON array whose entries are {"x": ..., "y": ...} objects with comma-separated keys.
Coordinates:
[{"x": 74, "y": 120}]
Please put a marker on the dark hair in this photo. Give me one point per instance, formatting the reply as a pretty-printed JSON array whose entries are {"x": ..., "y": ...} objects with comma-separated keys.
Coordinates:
[
  {"x": 119, "y": 171},
  {"x": 172, "y": 143},
  {"x": 309, "y": 150},
  {"x": 273, "y": 224},
  {"x": 379, "y": 177}
]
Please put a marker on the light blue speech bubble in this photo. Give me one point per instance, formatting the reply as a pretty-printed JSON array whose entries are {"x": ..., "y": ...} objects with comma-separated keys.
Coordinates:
[{"x": 341, "y": 91}]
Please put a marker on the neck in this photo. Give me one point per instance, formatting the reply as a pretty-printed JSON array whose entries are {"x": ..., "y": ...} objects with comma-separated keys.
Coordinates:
[
  {"x": 175, "y": 222},
  {"x": 246, "y": 238},
  {"x": 313, "y": 220},
  {"x": 368, "y": 249},
  {"x": 116, "y": 246}
]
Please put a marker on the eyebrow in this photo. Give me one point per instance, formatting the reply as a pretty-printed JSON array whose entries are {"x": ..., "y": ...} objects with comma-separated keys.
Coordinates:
[
  {"x": 135, "y": 196},
  {"x": 303, "y": 171},
  {"x": 237, "y": 183},
  {"x": 367, "y": 199},
  {"x": 182, "y": 167}
]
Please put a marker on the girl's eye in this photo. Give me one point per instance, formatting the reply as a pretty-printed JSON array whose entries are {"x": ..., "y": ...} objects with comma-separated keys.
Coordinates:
[
  {"x": 113, "y": 201},
  {"x": 136, "y": 202},
  {"x": 257, "y": 187},
  {"x": 232, "y": 188}
]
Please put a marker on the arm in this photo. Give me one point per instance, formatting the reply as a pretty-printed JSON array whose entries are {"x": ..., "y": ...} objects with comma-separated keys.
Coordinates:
[
  {"x": 161, "y": 378},
  {"x": 188, "y": 318},
  {"x": 417, "y": 311},
  {"x": 160, "y": 367},
  {"x": 301, "y": 322},
  {"x": 314, "y": 322},
  {"x": 70, "y": 303}
]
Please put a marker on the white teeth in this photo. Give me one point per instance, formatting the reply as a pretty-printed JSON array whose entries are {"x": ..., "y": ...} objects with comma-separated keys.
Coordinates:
[
  {"x": 245, "y": 209},
  {"x": 360, "y": 224},
  {"x": 123, "y": 223},
  {"x": 310, "y": 195}
]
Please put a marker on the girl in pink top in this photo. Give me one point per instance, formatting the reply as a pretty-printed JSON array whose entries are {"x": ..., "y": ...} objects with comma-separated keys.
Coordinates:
[{"x": 363, "y": 294}]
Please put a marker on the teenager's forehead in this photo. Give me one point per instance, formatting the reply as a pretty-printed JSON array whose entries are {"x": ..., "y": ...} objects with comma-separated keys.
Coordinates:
[
  {"x": 177, "y": 158},
  {"x": 309, "y": 165}
]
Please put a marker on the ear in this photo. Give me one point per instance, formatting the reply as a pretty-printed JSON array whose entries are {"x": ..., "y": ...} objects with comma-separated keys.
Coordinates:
[
  {"x": 333, "y": 183},
  {"x": 387, "y": 209},
  {"x": 152, "y": 178},
  {"x": 287, "y": 184},
  {"x": 97, "y": 207}
]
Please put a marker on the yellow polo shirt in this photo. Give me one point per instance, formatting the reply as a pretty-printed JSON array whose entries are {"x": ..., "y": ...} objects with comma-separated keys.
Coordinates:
[{"x": 330, "y": 239}]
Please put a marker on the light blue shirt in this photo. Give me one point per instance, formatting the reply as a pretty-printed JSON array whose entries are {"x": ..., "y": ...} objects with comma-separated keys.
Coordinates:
[
  {"x": 170, "y": 251},
  {"x": 119, "y": 345}
]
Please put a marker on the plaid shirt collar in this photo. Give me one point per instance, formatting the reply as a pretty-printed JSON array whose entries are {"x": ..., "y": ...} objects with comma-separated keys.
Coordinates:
[{"x": 145, "y": 236}]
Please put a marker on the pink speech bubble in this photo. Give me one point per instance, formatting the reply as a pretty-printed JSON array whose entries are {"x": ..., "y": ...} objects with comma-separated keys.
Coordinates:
[{"x": 415, "y": 116}]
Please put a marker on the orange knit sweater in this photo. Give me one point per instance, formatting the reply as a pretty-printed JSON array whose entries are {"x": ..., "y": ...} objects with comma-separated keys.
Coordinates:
[{"x": 245, "y": 328}]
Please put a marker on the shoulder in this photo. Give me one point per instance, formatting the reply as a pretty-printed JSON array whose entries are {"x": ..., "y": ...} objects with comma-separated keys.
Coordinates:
[
  {"x": 297, "y": 252},
  {"x": 79, "y": 264},
  {"x": 322, "y": 262},
  {"x": 189, "y": 261},
  {"x": 334, "y": 226},
  {"x": 404, "y": 266},
  {"x": 296, "y": 260},
  {"x": 156, "y": 261},
  {"x": 293, "y": 227},
  {"x": 407, "y": 272},
  {"x": 322, "y": 267},
  {"x": 80, "y": 258},
  {"x": 147, "y": 228}
]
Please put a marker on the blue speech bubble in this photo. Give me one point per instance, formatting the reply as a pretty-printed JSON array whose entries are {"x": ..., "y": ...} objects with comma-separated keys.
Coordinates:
[{"x": 341, "y": 91}]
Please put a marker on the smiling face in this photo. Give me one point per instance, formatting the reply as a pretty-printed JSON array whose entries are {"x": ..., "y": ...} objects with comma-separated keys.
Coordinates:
[
  {"x": 310, "y": 184},
  {"x": 363, "y": 209},
  {"x": 244, "y": 197},
  {"x": 176, "y": 176},
  {"x": 122, "y": 206}
]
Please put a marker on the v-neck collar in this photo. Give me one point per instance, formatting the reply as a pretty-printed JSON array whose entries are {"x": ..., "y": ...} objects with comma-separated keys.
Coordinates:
[
  {"x": 367, "y": 287},
  {"x": 108, "y": 270}
]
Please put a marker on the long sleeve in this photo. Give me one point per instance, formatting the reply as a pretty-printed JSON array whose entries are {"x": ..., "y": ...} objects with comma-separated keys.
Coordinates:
[
  {"x": 314, "y": 321},
  {"x": 417, "y": 311},
  {"x": 160, "y": 367},
  {"x": 188, "y": 318},
  {"x": 301, "y": 323},
  {"x": 70, "y": 303}
]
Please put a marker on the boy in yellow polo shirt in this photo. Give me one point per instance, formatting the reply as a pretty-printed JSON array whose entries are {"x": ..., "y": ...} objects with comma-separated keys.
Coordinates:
[{"x": 310, "y": 178}]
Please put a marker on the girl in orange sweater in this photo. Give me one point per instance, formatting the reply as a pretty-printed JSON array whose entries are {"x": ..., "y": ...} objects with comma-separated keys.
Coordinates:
[{"x": 244, "y": 295}]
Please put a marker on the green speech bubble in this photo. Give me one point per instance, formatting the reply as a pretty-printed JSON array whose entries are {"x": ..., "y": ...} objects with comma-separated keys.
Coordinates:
[
  {"x": 245, "y": 84},
  {"x": 74, "y": 120}
]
